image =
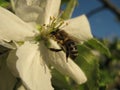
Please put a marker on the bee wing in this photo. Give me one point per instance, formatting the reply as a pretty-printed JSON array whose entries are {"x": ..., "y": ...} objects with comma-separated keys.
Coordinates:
[
  {"x": 70, "y": 36},
  {"x": 76, "y": 40}
]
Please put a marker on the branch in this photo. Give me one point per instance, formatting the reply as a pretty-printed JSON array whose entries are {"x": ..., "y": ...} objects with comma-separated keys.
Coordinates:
[
  {"x": 94, "y": 11},
  {"x": 111, "y": 6},
  {"x": 106, "y": 4}
]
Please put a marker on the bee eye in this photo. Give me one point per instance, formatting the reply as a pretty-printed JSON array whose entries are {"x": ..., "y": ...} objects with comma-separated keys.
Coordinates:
[{"x": 53, "y": 33}]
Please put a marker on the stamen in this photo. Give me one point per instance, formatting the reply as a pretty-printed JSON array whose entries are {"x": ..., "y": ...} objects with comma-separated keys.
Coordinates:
[
  {"x": 54, "y": 18},
  {"x": 60, "y": 24},
  {"x": 50, "y": 18},
  {"x": 54, "y": 24},
  {"x": 64, "y": 25}
]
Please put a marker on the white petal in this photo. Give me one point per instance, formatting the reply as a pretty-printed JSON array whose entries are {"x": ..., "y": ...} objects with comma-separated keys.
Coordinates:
[
  {"x": 51, "y": 9},
  {"x": 27, "y": 10},
  {"x": 32, "y": 70},
  {"x": 7, "y": 44},
  {"x": 13, "y": 28},
  {"x": 36, "y": 10},
  {"x": 78, "y": 28},
  {"x": 21, "y": 88},
  {"x": 7, "y": 80},
  {"x": 58, "y": 60}
]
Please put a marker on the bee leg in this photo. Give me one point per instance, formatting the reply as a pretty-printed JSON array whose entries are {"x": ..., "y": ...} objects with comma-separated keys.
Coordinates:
[
  {"x": 55, "y": 50},
  {"x": 67, "y": 55}
]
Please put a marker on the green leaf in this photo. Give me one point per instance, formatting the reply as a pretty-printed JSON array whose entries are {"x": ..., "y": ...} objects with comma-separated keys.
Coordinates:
[
  {"x": 94, "y": 43},
  {"x": 59, "y": 81},
  {"x": 64, "y": 1},
  {"x": 92, "y": 73},
  {"x": 4, "y": 3},
  {"x": 105, "y": 77},
  {"x": 118, "y": 44},
  {"x": 90, "y": 65},
  {"x": 69, "y": 9},
  {"x": 85, "y": 53}
]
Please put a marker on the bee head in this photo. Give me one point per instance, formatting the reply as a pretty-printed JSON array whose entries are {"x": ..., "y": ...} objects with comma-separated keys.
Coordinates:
[
  {"x": 59, "y": 34},
  {"x": 54, "y": 32}
]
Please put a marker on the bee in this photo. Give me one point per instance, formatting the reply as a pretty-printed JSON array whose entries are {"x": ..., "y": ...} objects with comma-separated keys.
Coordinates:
[{"x": 67, "y": 44}]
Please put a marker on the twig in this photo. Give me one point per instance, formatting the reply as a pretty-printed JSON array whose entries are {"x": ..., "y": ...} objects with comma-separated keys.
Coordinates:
[
  {"x": 94, "y": 11},
  {"x": 106, "y": 4},
  {"x": 111, "y": 6}
]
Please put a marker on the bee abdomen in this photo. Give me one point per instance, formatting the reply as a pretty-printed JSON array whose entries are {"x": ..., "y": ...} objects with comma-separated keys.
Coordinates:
[
  {"x": 72, "y": 49},
  {"x": 74, "y": 53}
]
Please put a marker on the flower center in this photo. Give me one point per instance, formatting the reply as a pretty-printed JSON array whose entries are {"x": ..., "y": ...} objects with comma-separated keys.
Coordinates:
[{"x": 46, "y": 29}]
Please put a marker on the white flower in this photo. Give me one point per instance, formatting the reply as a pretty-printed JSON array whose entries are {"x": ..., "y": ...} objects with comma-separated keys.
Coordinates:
[{"x": 30, "y": 60}]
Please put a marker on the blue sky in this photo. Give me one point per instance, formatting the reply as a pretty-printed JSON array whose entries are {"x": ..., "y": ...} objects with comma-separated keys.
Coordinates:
[{"x": 104, "y": 24}]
